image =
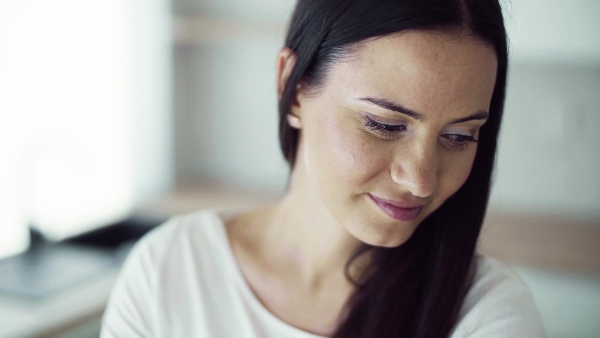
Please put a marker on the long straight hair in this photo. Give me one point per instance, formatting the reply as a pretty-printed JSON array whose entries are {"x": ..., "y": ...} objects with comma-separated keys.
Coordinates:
[{"x": 416, "y": 289}]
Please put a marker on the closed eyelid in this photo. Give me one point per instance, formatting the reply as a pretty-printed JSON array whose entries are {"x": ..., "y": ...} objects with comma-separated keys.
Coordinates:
[
  {"x": 465, "y": 129},
  {"x": 383, "y": 120},
  {"x": 472, "y": 131},
  {"x": 389, "y": 105}
]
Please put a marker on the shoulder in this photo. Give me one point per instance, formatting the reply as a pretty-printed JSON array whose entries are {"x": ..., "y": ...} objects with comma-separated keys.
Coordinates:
[
  {"x": 493, "y": 278},
  {"x": 193, "y": 227},
  {"x": 498, "y": 304},
  {"x": 173, "y": 248},
  {"x": 158, "y": 272}
]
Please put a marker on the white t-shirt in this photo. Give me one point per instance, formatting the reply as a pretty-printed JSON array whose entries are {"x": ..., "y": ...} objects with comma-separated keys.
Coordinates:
[{"x": 182, "y": 281}]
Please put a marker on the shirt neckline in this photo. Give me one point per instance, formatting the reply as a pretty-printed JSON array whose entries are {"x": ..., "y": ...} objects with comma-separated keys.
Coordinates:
[{"x": 243, "y": 286}]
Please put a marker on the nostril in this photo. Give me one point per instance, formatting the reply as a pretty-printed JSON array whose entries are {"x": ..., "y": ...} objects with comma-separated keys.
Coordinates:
[{"x": 420, "y": 182}]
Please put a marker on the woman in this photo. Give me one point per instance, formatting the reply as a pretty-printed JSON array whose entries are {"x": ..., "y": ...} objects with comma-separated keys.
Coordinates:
[{"x": 389, "y": 115}]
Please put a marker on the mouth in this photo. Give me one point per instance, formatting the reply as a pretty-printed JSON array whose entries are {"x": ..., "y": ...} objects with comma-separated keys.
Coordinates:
[{"x": 397, "y": 210}]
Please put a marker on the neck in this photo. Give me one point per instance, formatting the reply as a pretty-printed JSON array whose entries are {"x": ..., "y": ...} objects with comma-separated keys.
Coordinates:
[{"x": 310, "y": 238}]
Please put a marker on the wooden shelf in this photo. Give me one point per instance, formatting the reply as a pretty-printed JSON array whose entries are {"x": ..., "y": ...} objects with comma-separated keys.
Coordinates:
[
  {"x": 192, "y": 30},
  {"x": 543, "y": 241}
]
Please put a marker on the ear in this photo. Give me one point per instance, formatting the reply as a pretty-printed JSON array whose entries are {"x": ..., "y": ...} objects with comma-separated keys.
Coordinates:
[{"x": 286, "y": 60}]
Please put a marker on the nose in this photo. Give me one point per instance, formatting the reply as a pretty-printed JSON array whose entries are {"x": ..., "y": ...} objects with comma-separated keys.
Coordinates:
[{"x": 415, "y": 169}]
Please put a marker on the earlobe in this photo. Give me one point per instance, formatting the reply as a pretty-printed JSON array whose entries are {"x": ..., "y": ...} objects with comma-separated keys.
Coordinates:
[{"x": 294, "y": 121}]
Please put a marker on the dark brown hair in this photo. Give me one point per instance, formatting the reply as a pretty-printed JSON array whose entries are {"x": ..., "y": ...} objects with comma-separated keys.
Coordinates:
[{"x": 417, "y": 288}]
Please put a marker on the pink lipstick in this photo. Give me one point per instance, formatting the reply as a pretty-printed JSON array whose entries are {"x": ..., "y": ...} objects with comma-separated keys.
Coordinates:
[{"x": 398, "y": 210}]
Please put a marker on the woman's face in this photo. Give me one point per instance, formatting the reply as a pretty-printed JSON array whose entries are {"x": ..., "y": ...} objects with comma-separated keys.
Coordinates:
[{"x": 393, "y": 131}]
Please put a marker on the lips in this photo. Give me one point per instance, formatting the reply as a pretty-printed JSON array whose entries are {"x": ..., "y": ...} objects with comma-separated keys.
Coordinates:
[{"x": 398, "y": 210}]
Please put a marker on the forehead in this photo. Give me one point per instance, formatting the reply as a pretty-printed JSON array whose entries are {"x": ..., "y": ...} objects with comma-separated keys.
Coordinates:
[{"x": 425, "y": 71}]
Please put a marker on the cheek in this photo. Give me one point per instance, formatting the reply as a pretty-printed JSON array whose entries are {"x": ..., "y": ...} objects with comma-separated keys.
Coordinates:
[
  {"x": 345, "y": 153},
  {"x": 456, "y": 173}
]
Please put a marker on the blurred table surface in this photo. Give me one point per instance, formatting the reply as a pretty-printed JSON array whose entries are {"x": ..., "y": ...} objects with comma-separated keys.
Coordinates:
[
  {"x": 58, "y": 313},
  {"x": 541, "y": 247}
]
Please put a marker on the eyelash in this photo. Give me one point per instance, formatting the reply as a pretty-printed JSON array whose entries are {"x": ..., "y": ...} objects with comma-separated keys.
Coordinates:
[
  {"x": 386, "y": 131},
  {"x": 390, "y": 131},
  {"x": 460, "y": 142}
]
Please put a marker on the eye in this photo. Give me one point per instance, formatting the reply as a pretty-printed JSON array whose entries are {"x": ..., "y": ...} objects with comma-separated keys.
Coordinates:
[
  {"x": 458, "y": 141},
  {"x": 384, "y": 130}
]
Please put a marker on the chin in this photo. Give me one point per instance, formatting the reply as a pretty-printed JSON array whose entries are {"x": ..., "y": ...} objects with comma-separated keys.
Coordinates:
[{"x": 386, "y": 236}]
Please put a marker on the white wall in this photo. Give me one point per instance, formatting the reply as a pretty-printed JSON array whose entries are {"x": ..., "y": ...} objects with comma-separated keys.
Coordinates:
[
  {"x": 553, "y": 30},
  {"x": 226, "y": 124},
  {"x": 549, "y": 159}
]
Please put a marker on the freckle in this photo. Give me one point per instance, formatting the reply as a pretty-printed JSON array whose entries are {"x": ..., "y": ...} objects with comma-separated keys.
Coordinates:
[{"x": 361, "y": 150}]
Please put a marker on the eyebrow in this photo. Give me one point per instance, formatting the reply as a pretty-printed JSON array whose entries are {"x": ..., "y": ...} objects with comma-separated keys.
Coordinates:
[
  {"x": 389, "y": 105},
  {"x": 480, "y": 115}
]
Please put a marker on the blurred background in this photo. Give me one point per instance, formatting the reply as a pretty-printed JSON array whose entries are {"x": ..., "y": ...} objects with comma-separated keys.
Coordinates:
[{"x": 117, "y": 114}]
